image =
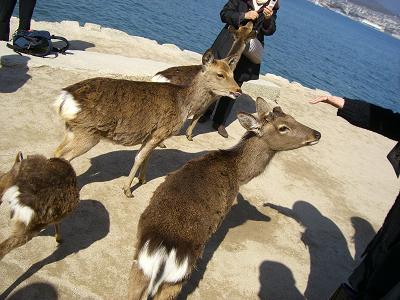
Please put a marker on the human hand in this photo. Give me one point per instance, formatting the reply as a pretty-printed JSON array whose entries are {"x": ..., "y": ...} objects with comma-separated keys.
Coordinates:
[
  {"x": 267, "y": 12},
  {"x": 251, "y": 15},
  {"x": 337, "y": 102}
]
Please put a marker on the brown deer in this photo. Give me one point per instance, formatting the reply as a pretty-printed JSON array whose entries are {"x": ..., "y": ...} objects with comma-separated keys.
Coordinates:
[
  {"x": 188, "y": 207},
  {"x": 39, "y": 192},
  {"x": 183, "y": 75},
  {"x": 137, "y": 112}
]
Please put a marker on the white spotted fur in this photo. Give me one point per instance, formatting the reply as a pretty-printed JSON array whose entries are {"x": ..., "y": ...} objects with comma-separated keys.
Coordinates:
[
  {"x": 159, "y": 78},
  {"x": 19, "y": 211},
  {"x": 151, "y": 264},
  {"x": 66, "y": 106}
]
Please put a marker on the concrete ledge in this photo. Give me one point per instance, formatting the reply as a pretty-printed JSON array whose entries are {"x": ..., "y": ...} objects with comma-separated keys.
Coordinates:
[{"x": 83, "y": 60}]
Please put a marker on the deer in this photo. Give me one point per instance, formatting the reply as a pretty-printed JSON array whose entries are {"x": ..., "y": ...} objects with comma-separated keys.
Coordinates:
[
  {"x": 188, "y": 207},
  {"x": 137, "y": 112},
  {"x": 39, "y": 192},
  {"x": 183, "y": 75}
]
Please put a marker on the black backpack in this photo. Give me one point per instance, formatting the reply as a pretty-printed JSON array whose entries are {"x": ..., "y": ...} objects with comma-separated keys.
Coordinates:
[{"x": 36, "y": 43}]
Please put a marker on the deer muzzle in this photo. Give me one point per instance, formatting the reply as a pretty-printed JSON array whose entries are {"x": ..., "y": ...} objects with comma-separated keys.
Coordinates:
[
  {"x": 235, "y": 94},
  {"x": 315, "y": 139}
]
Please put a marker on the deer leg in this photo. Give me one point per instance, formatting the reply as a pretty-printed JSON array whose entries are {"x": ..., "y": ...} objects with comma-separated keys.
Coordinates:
[
  {"x": 193, "y": 123},
  {"x": 58, "y": 233},
  {"x": 168, "y": 291},
  {"x": 140, "y": 157},
  {"x": 68, "y": 136},
  {"x": 138, "y": 283},
  {"x": 20, "y": 236},
  {"x": 142, "y": 171},
  {"x": 77, "y": 144}
]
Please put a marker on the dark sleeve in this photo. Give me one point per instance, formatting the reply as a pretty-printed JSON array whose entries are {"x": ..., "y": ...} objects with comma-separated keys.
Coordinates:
[
  {"x": 371, "y": 117},
  {"x": 230, "y": 13},
  {"x": 269, "y": 26}
]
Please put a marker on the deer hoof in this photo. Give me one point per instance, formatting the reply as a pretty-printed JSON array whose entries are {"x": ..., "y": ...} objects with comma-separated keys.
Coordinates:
[
  {"x": 190, "y": 138},
  {"x": 127, "y": 192},
  {"x": 59, "y": 239},
  {"x": 142, "y": 181},
  {"x": 162, "y": 145}
]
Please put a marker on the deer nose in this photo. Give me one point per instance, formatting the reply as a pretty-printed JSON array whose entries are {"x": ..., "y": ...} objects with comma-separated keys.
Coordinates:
[{"x": 317, "y": 134}]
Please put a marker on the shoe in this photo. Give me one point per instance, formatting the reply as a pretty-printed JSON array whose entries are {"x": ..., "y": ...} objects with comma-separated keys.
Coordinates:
[{"x": 221, "y": 130}]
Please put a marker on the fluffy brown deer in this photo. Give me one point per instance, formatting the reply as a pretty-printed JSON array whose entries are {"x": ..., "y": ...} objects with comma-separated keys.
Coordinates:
[
  {"x": 39, "y": 192},
  {"x": 137, "y": 112},
  {"x": 183, "y": 75},
  {"x": 188, "y": 207}
]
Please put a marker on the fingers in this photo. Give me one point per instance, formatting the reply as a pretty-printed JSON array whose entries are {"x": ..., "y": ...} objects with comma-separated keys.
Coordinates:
[
  {"x": 251, "y": 15},
  {"x": 318, "y": 99},
  {"x": 267, "y": 12}
]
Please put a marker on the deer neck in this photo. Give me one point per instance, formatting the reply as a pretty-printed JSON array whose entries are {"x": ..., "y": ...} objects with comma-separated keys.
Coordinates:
[
  {"x": 237, "y": 49},
  {"x": 251, "y": 156},
  {"x": 196, "y": 96}
]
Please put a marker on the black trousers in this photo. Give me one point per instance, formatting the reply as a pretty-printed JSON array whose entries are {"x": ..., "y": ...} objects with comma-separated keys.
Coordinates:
[
  {"x": 378, "y": 275},
  {"x": 223, "y": 108},
  {"x": 25, "y": 15}
]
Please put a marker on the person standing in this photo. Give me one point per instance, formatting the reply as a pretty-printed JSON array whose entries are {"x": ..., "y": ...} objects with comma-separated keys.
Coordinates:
[
  {"x": 26, "y": 8},
  {"x": 235, "y": 13},
  {"x": 378, "y": 275}
]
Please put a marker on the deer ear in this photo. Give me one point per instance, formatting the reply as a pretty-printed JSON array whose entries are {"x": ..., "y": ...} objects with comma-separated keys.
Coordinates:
[
  {"x": 249, "y": 122},
  {"x": 19, "y": 157},
  {"x": 232, "y": 61},
  {"x": 263, "y": 108},
  {"x": 208, "y": 57}
]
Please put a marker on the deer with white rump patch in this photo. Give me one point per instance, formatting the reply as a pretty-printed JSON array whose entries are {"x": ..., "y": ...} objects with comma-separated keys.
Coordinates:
[
  {"x": 188, "y": 207},
  {"x": 137, "y": 112},
  {"x": 183, "y": 75},
  {"x": 39, "y": 192}
]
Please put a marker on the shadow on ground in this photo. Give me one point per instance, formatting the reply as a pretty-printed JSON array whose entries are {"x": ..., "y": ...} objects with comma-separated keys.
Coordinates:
[
  {"x": 330, "y": 259},
  {"x": 112, "y": 165},
  {"x": 39, "y": 290},
  {"x": 13, "y": 72},
  {"x": 239, "y": 214},
  {"x": 76, "y": 45},
  {"x": 89, "y": 223},
  {"x": 277, "y": 282}
]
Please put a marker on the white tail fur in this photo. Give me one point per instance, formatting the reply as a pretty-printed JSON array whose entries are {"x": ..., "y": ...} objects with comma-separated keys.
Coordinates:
[
  {"x": 66, "y": 106},
  {"x": 19, "y": 211},
  {"x": 160, "y": 267}
]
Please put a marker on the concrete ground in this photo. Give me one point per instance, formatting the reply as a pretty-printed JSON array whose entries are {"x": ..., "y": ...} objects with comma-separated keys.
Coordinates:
[{"x": 325, "y": 202}]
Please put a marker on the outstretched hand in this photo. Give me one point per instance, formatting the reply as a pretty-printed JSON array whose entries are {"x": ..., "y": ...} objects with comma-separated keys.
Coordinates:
[{"x": 335, "y": 101}]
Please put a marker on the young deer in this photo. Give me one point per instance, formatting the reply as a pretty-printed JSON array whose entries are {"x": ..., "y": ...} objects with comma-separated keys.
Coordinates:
[
  {"x": 39, "y": 192},
  {"x": 137, "y": 112},
  {"x": 187, "y": 208},
  {"x": 183, "y": 75}
]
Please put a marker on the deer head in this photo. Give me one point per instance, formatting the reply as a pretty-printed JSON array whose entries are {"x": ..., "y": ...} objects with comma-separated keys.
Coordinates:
[
  {"x": 279, "y": 130},
  {"x": 217, "y": 75}
]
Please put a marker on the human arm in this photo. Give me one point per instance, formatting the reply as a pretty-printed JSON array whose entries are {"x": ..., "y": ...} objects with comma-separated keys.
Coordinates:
[
  {"x": 269, "y": 23},
  {"x": 231, "y": 15},
  {"x": 365, "y": 115}
]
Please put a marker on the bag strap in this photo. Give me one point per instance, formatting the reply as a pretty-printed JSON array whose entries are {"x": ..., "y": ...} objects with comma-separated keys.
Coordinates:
[{"x": 62, "y": 49}]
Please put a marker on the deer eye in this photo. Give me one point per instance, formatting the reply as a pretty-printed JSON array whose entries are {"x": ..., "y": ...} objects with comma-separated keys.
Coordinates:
[
  {"x": 220, "y": 75},
  {"x": 283, "y": 129}
]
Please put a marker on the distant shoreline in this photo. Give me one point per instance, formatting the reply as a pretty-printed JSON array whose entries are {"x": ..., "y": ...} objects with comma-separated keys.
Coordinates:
[{"x": 362, "y": 20}]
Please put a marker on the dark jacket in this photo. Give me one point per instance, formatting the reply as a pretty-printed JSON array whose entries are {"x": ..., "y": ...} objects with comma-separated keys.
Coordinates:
[
  {"x": 377, "y": 119},
  {"x": 233, "y": 14},
  {"x": 378, "y": 275}
]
